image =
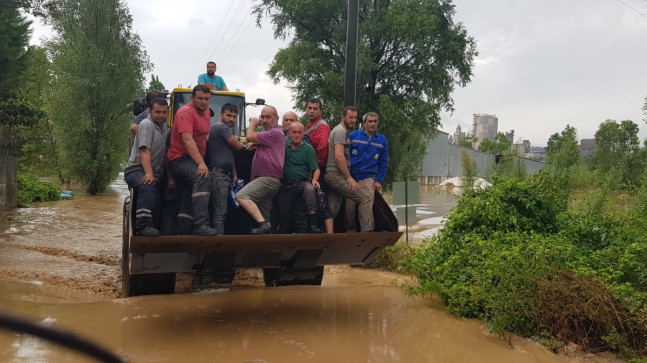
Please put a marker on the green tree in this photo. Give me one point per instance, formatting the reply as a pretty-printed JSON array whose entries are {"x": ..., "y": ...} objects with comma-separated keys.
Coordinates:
[
  {"x": 98, "y": 66},
  {"x": 562, "y": 151},
  {"x": 411, "y": 56},
  {"x": 470, "y": 170},
  {"x": 498, "y": 146},
  {"x": 155, "y": 85},
  {"x": 14, "y": 37},
  {"x": 468, "y": 141},
  {"x": 613, "y": 142},
  {"x": 39, "y": 149}
]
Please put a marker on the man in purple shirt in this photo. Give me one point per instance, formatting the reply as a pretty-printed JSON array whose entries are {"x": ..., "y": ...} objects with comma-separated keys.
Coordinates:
[{"x": 267, "y": 169}]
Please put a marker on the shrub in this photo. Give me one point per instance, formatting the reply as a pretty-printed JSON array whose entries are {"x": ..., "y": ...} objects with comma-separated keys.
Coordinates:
[
  {"x": 30, "y": 190},
  {"x": 519, "y": 257}
]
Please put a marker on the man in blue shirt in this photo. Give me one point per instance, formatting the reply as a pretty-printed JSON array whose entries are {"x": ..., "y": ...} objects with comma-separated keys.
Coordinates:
[
  {"x": 211, "y": 80},
  {"x": 369, "y": 159}
]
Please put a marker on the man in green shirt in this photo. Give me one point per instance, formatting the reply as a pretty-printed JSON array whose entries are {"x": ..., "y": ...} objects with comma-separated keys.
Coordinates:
[{"x": 300, "y": 177}]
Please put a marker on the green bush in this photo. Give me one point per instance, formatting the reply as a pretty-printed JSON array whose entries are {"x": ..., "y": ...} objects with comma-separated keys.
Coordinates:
[
  {"x": 526, "y": 258},
  {"x": 30, "y": 190}
]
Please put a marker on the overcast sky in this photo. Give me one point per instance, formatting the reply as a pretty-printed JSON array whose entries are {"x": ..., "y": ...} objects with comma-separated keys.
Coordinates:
[{"x": 542, "y": 64}]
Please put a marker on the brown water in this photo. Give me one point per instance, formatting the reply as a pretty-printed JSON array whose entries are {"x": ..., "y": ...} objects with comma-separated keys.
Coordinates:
[{"x": 60, "y": 265}]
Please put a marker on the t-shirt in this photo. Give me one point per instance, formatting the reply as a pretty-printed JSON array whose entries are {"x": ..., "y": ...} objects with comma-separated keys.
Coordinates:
[
  {"x": 153, "y": 138},
  {"x": 299, "y": 162},
  {"x": 270, "y": 154},
  {"x": 216, "y": 81},
  {"x": 187, "y": 119},
  {"x": 219, "y": 153},
  {"x": 338, "y": 135},
  {"x": 141, "y": 117}
]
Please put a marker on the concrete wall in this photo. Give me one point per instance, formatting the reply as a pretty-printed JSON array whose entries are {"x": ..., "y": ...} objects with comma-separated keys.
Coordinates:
[
  {"x": 8, "y": 182},
  {"x": 443, "y": 160}
]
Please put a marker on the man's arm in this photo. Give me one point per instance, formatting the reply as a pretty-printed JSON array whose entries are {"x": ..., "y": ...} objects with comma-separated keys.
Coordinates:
[
  {"x": 145, "y": 156},
  {"x": 250, "y": 134},
  {"x": 234, "y": 143},
  {"x": 382, "y": 166},
  {"x": 192, "y": 149},
  {"x": 341, "y": 164},
  {"x": 133, "y": 130},
  {"x": 315, "y": 178},
  {"x": 320, "y": 142}
]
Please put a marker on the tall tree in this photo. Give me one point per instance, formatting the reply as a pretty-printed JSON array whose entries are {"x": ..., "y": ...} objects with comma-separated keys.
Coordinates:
[
  {"x": 562, "y": 150},
  {"x": 14, "y": 37},
  {"x": 98, "y": 65},
  {"x": 411, "y": 56},
  {"x": 614, "y": 142},
  {"x": 155, "y": 85},
  {"x": 39, "y": 148}
]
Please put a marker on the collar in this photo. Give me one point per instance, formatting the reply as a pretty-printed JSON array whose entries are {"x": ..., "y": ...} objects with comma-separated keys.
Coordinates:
[{"x": 315, "y": 121}]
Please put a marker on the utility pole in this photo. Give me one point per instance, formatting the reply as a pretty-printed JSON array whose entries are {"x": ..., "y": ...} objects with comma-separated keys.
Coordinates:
[{"x": 350, "y": 75}]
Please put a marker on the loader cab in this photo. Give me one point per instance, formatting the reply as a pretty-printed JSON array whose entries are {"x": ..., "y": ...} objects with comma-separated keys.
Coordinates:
[{"x": 182, "y": 96}]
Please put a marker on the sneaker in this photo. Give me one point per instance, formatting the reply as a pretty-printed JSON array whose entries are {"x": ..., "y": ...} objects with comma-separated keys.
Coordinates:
[
  {"x": 262, "y": 228},
  {"x": 149, "y": 231},
  {"x": 204, "y": 230}
]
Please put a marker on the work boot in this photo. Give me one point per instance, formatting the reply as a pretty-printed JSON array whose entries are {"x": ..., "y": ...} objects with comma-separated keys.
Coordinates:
[
  {"x": 204, "y": 230},
  {"x": 149, "y": 231},
  {"x": 312, "y": 222},
  {"x": 262, "y": 228}
]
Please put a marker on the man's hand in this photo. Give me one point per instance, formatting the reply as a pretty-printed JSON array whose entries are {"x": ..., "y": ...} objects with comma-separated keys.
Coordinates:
[
  {"x": 202, "y": 171},
  {"x": 253, "y": 123},
  {"x": 352, "y": 183},
  {"x": 315, "y": 183},
  {"x": 147, "y": 179},
  {"x": 378, "y": 186}
]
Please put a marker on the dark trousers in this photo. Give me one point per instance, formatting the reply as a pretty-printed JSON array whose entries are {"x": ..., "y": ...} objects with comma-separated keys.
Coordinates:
[
  {"x": 295, "y": 201},
  {"x": 195, "y": 206},
  {"x": 146, "y": 199}
]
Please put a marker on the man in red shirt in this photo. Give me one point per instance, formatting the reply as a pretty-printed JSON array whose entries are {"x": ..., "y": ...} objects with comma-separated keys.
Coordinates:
[
  {"x": 318, "y": 131},
  {"x": 186, "y": 156}
]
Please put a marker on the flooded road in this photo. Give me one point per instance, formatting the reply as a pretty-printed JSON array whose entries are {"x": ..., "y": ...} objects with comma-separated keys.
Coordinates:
[{"x": 60, "y": 265}]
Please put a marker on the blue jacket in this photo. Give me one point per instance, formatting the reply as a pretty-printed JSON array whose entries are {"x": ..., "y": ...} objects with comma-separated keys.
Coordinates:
[{"x": 369, "y": 156}]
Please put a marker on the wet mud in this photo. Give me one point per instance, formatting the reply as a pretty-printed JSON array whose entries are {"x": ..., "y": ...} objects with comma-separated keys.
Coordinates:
[{"x": 60, "y": 266}]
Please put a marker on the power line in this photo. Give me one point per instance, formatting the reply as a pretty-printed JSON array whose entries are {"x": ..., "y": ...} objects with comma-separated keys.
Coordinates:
[
  {"x": 200, "y": 60},
  {"x": 636, "y": 11},
  {"x": 229, "y": 25},
  {"x": 231, "y": 49}
]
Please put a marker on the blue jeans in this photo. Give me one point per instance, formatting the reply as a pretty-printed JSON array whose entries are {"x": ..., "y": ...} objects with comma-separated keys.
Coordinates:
[
  {"x": 220, "y": 186},
  {"x": 197, "y": 206},
  {"x": 146, "y": 198}
]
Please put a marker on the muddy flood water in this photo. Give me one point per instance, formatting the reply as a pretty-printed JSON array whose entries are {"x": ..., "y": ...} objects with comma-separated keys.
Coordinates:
[{"x": 60, "y": 266}]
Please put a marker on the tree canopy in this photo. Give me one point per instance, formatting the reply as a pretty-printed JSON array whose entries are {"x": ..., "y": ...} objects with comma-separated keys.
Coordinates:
[
  {"x": 498, "y": 146},
  {"x": 14, "y": 37},
  {"x": 155, "y": 85},
  {"x": 411, "y": 56},
  {"x": 98, "y": 66},
  {"x": 562, "y": 150}
]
